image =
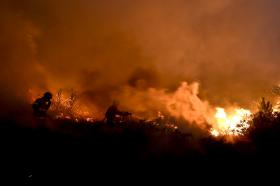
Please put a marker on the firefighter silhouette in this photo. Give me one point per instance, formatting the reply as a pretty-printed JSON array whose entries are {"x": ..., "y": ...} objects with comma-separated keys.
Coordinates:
[
  {"x": 42, "y": 105},
  {"x": 112, "y": 113}
]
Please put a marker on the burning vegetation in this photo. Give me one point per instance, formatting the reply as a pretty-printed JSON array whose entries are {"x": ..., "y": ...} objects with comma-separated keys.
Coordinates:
[
  {"x": 163, "y": 139},
  {"x": 151, "y": 57},
  {"x": 180, "y": 109},
  {"x": 232, "y": 124},
  {"x": 66, "y": 105}
]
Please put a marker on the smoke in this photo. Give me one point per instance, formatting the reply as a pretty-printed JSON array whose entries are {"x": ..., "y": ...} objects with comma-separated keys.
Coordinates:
[{"x": 138, "y": 52}]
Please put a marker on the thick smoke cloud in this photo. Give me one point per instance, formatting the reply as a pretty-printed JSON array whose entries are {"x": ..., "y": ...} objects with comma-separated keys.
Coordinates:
[{"x": 105, "y": 48}]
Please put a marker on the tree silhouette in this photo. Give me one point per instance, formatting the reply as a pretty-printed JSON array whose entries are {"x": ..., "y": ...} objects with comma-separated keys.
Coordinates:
[{"x": 265, "y": 108}]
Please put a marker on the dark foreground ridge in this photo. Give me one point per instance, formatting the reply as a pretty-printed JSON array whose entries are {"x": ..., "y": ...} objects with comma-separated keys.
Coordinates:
[{"x": 67, "y": 151}]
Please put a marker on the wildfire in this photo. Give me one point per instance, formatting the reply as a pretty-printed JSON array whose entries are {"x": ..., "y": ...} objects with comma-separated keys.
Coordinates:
[
  {"x": 276, "y": 107},
  {"x": 184, "y": 103},
  {"x": 231, "y": 124},
  {"x": 65, "y": 105}
]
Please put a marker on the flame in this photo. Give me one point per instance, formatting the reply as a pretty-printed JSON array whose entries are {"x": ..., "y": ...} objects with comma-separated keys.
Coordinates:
[
  {"x": 214, "y": 132},
  {"x": 230, "y": 124},
  {"x": 276, "y": 107},
  {"x": 65, "y": 106},
  {"x": 183, "y": 103}
]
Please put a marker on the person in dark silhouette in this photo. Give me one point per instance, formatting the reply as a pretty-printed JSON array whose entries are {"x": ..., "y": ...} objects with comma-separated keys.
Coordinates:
[
  {"x": 112, "y": 113},
  {"x": 42, "y": 105}
]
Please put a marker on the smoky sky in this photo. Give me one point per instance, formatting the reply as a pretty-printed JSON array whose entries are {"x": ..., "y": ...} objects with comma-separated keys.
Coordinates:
[{"x": 97, "y": 47}]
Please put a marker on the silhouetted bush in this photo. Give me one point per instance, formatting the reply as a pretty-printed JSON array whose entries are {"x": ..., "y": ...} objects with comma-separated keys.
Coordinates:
[{"x": 265, "y": 129}]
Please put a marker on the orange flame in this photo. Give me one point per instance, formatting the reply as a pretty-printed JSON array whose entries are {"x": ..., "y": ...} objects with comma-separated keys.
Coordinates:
[{"x": 230, "y": 124}]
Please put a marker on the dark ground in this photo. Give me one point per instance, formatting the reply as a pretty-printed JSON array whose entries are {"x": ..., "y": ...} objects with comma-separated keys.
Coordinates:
[{"x": 66, "y": 152}]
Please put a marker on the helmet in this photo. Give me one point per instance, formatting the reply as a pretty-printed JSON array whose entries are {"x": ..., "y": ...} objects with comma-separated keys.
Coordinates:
[{"x": 48, "y": 95}]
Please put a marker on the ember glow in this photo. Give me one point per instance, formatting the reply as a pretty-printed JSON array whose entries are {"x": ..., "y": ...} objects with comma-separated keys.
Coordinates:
[
  {"x": 276, "y": 107},
  {"x": 66, "y": 105},
  {"x": 231, "y": 124},
  {"x": 182, "y": 103}
]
